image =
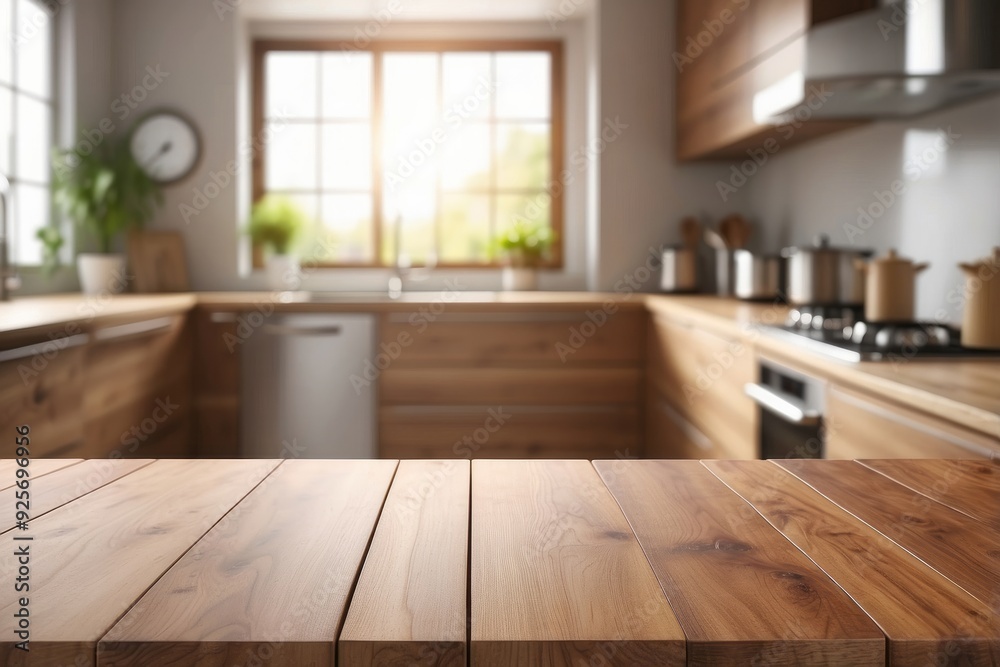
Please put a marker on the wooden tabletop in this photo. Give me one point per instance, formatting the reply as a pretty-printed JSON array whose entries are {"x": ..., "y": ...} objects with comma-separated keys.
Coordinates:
[{"x": 544, "y": 563}]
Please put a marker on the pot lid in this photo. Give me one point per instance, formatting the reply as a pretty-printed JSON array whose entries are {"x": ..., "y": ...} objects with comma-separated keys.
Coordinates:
[
  {"x": 893, "y": 258},
  {"x": 821, "y": 244},
  {"x": 991, "y": 263}
]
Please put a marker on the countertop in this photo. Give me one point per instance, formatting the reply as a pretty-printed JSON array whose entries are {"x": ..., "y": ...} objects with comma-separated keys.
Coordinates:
[
  {"x": 139, "y": 562},
  {"x": 963, "y": 391}
]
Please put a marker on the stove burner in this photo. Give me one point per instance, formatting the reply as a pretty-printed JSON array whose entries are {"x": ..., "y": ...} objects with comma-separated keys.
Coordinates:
[
  {"x": 823, "y": 318},
  {"x": 902, "y": 335}
]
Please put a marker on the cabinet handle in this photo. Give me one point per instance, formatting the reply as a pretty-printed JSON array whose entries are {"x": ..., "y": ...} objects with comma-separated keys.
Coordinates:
[
  {"x": 574, "y": 316},
  {"x": 289, "y": 330},
  {"x": 690, "y": 431},
  {"x": 222, "y": 318},
  {"x": 778, "y": 405},
  {"x": 43, "y": 348},
  {"x": 146, "y": 328}
]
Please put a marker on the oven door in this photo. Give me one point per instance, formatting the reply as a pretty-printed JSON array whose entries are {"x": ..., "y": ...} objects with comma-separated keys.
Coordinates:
[{"x": 791, "y": 416}]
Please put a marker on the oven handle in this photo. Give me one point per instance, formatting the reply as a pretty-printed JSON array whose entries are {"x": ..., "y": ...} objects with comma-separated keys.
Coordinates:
[{"x": 777, "y": 404}]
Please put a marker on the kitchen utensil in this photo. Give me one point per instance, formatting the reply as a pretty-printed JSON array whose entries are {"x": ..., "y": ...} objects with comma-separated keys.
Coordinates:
[
  {"x": 824, "y": 275},
  {"x": 679, "y": 269},
  {"x": 757, "y": 276},
  {"x": 735, "y": 231},
  {"x": 714, "y": 240},
  {"x": 890, "y": 287},
  {"x": 158, "y": 262},
  {"x": 981, "y": 320},
  {"x": 690, "y": 233}
]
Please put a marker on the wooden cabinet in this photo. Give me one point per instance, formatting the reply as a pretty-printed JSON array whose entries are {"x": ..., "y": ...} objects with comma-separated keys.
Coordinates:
[
  {"x": 217, "y": 384},
  {"x": 861, "y": 426},
  {"x": 729, "y": 50},
  {"x": 138, "y": 398},
  {"x": 512, "y": 384},
  {"x": 41, "y": 386},
  {"x": 697, "y": 408}
]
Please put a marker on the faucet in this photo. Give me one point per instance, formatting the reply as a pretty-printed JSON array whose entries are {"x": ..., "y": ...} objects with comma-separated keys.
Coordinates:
[{"x": 4, "y": 240}]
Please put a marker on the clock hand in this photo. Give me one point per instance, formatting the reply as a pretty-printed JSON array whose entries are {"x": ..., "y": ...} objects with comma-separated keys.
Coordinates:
[{"x": 164, "y": 149}]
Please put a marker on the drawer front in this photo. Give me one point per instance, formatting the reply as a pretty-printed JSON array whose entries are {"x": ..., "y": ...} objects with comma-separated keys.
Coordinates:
[
  {"x": 44, "y": 390},
  {"x": 669, "y": 435},
  {"x": 859, "y": 426},
  {"x": 498, "y": 339},
  {"x": 702, "y": 375},
  {"x": 510, "y": 386},
  {"x": 508, "y": 432}
]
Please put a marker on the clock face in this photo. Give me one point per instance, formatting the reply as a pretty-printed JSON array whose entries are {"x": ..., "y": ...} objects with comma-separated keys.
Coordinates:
[{"x": 166, "y": 146}]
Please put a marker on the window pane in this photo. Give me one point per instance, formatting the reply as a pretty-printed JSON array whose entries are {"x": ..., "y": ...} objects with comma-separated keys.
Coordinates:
[
  {"x": 465, "y": 228},
  {"x": 416, "y": 203},
  {"x": 523, "y": 85},
  {"x": 466, "y": 158},
  {"x": 523, "y": 155},
  {"x": 34, "y": 49},
  {"x": 347, "y": 85},
  {"x": 291, "y": 84},
  {"x": 6, "y": 130},
  {"x": 467, "y": 85},
  {"x": 411, "y": 90},
  {"x": 347, "y": 221},
  {"x": 5, "y": 42},
  {"x": 530, "y": 208},
  {"x": 31, "y": 213},
  {"x": 33, "y": 141},
  {"x": 347, "y": 156},
  {"x": 291, "y": 157}
]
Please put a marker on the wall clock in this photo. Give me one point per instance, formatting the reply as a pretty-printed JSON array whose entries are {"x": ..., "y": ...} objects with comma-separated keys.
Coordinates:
[{"x": 166, "y": 146}]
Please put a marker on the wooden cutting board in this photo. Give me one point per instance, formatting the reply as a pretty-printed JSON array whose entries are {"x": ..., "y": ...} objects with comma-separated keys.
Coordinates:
[{"x": 158, "y": 262}]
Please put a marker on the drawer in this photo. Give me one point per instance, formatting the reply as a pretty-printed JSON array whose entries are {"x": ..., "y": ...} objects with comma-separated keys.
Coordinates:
[
  {"x": 511, "y": 386},
  {"x": 604, "y": 432},
  {"x": 511, "y": 339},
  {"x": 860, "y": 426},
  {"x": 669, "y": 435}
]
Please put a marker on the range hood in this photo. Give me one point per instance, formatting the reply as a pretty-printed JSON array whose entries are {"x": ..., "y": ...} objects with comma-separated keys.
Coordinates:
[{"x": 902, "y": 59}]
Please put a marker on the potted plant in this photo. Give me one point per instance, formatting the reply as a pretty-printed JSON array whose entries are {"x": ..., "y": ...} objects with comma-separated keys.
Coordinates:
[
  {"x": 524, "y": 246},
  {"x": 104, "y": 192},
  {"x": 275, "y": 223}
]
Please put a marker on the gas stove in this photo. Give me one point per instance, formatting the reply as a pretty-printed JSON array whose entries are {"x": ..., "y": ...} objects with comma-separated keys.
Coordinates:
[{"x": 842, "y": 333}]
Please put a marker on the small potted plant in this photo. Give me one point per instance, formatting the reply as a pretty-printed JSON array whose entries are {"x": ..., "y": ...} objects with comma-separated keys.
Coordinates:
[
  {"x": 104, "y": 192},
  {"x": 525, "y": 247},
  {"x": 275, "y": 223}
]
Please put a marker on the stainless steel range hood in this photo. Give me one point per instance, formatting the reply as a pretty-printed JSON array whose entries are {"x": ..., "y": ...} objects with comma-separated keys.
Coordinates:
[{"x": 904, "y": 58}]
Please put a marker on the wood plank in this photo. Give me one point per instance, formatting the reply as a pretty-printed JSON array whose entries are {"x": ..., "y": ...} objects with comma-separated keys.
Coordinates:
[
  {"x": 971, "y": 487},
  {"x": 270, "y": 583},
  {"x": 742, "y": 593},
  {"x": 65, "y": 485},
  {"x": 953, "y": 544},
  {"x": 927, "y": 618},
  {"x": 36, "y": 467},
  {"x": 409, "y": 606},
  {"x": 557, "y": 578},
  {"x": 94, "y": 557}
]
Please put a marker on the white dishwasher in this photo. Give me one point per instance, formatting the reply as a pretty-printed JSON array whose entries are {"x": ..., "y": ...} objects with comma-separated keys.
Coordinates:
[{"x": 297, "y": 399}]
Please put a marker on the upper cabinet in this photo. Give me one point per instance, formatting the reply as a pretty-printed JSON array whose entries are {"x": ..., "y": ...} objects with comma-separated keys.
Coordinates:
[{"x": 729, "y": 50}]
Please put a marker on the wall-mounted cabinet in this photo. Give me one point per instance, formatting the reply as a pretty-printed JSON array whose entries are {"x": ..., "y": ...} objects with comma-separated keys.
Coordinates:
[{"x": 729, "y": 50}]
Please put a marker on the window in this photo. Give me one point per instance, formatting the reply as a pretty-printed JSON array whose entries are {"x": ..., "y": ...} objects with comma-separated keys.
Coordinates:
[
  {"x": 26, "y": 121},
  {"x": 429, "y": 148}
]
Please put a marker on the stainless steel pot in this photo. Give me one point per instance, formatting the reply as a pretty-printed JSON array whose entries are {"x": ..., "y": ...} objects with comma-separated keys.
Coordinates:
[
  {"x": 758, "y": 276},
  {"x": 680, "y": 270},
  {"x": 824, "y": 275}
]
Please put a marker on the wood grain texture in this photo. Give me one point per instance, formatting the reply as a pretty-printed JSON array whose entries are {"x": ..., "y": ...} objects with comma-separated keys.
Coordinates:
[
  {"x": 741, "y": 592},
  {"x": 557, "y": 578},
  {"x": 952, "y": 543},
  {"x": 48, "y": 492},
  {"x": 95, "y": 556},
  {"x": 270, "y": 582},
  {"x": 926, "y": 618},
  {"x": 37, "y": 468},
  {"x": 971, "y": 487},
  {"x": 409, "y": 606}
]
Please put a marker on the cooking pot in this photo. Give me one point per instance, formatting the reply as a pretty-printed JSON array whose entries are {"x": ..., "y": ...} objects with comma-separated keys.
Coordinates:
[
  {"x": 981, "y": 319},
  {"x": 757, "y": 276},
  {"x": 679, "y": 270},
  {"x": 890, "y": 288},
  {"x": 822, "y": 275}
]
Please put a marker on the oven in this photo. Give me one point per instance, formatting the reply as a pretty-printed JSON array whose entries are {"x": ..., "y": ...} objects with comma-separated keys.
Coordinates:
[{"x": 790, "y": 406}]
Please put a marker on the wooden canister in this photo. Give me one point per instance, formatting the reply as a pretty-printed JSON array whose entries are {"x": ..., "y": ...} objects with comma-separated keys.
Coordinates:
[
  {"x": 890, "y": 288},
  {"x": 981, "y": 320}
]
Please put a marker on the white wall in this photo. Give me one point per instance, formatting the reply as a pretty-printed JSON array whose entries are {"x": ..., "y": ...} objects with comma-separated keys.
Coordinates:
[
  {"x": 643, "y": 191},
  {"x": 949, "y": 209}
]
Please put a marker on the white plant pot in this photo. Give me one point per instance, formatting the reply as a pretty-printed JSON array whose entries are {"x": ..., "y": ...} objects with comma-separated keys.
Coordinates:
[
  {"x": 519, "y": 279},
  {"x": 283, "y": 273},
  {"x": 101, "y": 274}
]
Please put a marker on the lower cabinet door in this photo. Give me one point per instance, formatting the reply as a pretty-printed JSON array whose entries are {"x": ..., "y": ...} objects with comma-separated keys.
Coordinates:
[{"x": 670, "y": 436}]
